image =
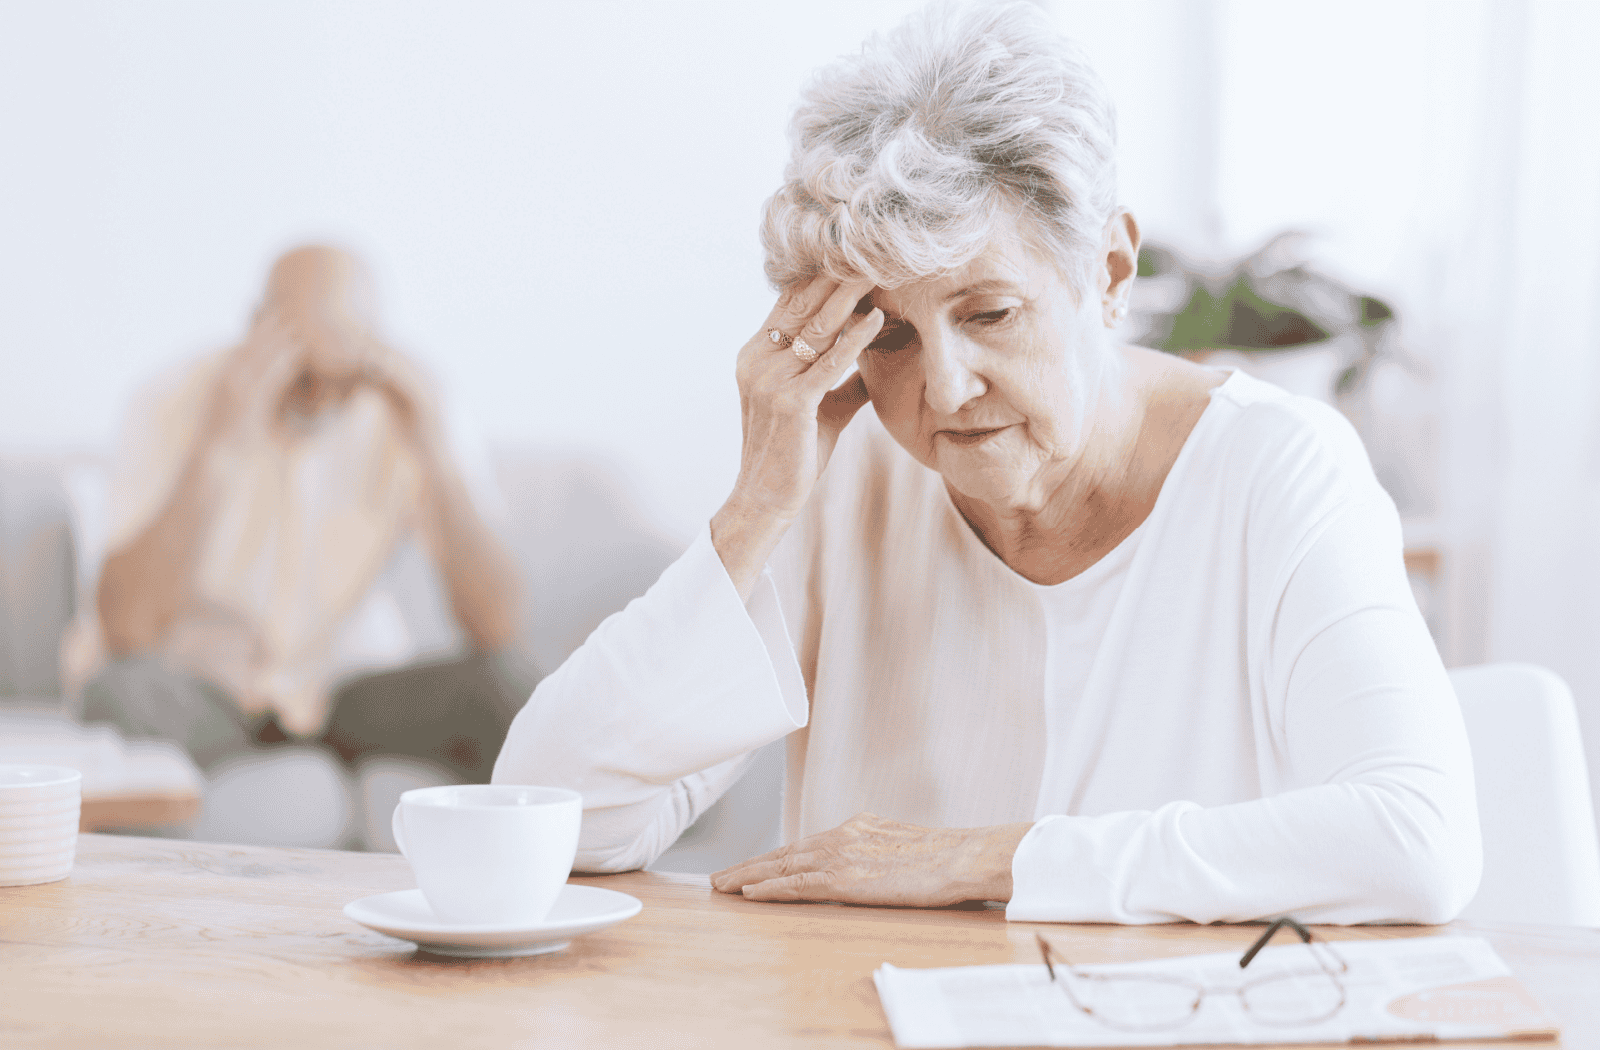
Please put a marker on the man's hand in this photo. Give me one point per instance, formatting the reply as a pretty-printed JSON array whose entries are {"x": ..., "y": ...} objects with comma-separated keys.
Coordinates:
[
  {"x": 409, "y": 393},
  {"x": 146, "y": 582},
  {"x": 254, "y": 385},
  {"x": 872, "y": 860},
  {"x": 294, "y": 367}
]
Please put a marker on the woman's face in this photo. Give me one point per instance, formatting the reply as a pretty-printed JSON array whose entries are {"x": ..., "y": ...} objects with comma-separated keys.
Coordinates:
[{"x": 988, "y": 376}]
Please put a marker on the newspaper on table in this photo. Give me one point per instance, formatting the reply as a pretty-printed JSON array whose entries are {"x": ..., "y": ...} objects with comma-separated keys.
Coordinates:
[{"x": 1412, "y": 989}]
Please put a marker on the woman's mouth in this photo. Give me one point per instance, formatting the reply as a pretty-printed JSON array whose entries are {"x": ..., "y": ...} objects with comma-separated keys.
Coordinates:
[{"x": 969, "y": 438}]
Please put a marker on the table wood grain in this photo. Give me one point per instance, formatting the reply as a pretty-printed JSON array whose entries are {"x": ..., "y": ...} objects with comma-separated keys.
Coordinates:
[{"x": 156, "y": 942}]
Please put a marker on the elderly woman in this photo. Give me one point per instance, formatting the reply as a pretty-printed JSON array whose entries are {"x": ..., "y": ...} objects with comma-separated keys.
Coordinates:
[{"x": 1074, "y": 625}]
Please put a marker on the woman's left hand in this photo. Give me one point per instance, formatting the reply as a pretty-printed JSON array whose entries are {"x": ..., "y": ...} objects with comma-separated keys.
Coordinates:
[{"x": 872, "y": 860}]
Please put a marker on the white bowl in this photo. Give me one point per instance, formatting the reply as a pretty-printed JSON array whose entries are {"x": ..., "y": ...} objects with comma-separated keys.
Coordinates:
[
  {"x": 36, "y": 823},
  {"x": 37, "y": 870},
  {"x": 40, "y": 861},
  {"x": 15, "y": 790},
  {"x": 36, "y": 850},
  {"x": 38, "y": 783},
  {"x": 59, "y": 814},
  {"x": 38, "y": 807},
  {"x": 26, "y": 840},
  {"x": 66, "y": 817},
  {"x": 36, "y": 796}
]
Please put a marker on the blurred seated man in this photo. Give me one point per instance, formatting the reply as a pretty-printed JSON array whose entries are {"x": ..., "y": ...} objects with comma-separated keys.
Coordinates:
[{"x": 261, "y": 497}]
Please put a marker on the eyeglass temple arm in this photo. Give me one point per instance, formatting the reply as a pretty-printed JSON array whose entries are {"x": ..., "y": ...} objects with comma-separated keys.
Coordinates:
[
  {"x": 1261, "y": 942},
  {"x": 1046, "y": 950}
]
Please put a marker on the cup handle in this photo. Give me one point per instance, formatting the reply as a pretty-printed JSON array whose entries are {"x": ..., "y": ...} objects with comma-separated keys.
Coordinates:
[{"x": 394, "y": 826}]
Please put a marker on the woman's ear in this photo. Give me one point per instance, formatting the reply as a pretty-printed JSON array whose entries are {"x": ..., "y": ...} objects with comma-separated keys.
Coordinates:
[{"x": 1121, "y": 249}]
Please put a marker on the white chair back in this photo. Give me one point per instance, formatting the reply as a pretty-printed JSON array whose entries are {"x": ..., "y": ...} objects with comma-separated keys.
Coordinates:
[{"x": 1541, "y": 860}]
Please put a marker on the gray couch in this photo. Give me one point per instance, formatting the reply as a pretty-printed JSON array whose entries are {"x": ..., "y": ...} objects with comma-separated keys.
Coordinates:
[
  {"x": 583, "y": 551},
  {"x": 38, "y": 581}
]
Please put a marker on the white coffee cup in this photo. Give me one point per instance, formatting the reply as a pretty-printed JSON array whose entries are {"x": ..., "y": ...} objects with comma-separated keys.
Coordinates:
[
  {"x": 489, "y": 854},
  {"x": 39, "y": 810}
]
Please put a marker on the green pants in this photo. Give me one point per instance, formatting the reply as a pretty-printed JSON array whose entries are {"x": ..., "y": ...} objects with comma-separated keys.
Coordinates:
[{"x": 451, "y": 712}]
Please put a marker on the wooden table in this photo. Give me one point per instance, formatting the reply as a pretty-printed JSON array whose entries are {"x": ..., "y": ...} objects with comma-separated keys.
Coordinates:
[
  {"x": 142, "y": 812},
  {"x": 155, "y": 942}
]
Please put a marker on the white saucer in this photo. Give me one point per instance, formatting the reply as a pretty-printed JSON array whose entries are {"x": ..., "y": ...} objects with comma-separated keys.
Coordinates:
[{"x": 578, "y": 910}]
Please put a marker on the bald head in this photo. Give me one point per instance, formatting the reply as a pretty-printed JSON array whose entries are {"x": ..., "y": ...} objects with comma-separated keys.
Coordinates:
[
  {"x": 322, "y": 298},
  {"x": 320, "y": 285}
]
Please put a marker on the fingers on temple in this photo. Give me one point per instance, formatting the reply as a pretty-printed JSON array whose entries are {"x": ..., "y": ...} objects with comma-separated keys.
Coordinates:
[
  {"x": 838, "y": 358},
  {"x": 799, "y": 301},
  {"x": 826, "y": 322},
  {"x": 816, "y": 310},
  {"x": 861, "y": 331}
]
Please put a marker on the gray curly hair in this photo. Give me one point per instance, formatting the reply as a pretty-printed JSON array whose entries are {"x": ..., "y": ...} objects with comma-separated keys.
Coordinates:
[{"x": 907, "y": 155}]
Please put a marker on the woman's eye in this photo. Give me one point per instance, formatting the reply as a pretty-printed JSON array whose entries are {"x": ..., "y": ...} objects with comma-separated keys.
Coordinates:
[
  {"x": 994, "y": 317},
  {"x": 893, "y": 338}
]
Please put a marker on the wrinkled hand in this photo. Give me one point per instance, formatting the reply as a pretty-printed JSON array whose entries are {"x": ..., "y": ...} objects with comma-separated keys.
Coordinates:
[
  {"x": 793, "y": 412},
  {"x": 873, "y": 860}
]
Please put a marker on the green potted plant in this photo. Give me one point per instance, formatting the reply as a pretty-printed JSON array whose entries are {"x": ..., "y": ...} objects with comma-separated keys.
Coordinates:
[{"x": 1269, "y": 312}]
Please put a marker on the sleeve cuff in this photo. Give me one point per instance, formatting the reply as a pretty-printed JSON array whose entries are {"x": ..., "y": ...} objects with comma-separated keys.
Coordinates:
[
  {"x": 686, "y": 677},
  {"x": 766, "y": 613},
  {"x": 1075, "y": 869}
]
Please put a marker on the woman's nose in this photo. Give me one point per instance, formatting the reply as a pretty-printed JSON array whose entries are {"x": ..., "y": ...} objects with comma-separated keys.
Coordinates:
[{"x": 949, "y": 378}]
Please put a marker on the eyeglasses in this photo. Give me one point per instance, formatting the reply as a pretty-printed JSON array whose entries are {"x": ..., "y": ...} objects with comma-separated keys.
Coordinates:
[{"x": 1147, "y": 1001}]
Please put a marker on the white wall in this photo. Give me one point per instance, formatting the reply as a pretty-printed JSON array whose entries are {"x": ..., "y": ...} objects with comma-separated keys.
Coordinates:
[
  {"x": 1449, "y": 154},
  {"x": 560, "y": 200},
  {"x": 1545, "y": 365}
]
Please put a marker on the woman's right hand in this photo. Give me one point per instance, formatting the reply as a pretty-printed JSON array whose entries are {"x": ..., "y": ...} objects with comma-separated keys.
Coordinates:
[{"x": 792, "y": 414}]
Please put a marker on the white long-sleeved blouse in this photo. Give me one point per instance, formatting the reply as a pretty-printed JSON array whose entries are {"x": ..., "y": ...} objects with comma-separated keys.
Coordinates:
[{"x": 1238, "y": 713}]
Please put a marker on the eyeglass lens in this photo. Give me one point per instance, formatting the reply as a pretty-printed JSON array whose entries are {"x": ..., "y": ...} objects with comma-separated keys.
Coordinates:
[
  {"x": 1296, "y": 998},
  {"x": 1292, "y": 990},
  {"x": 1138, "y": 1003}
]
